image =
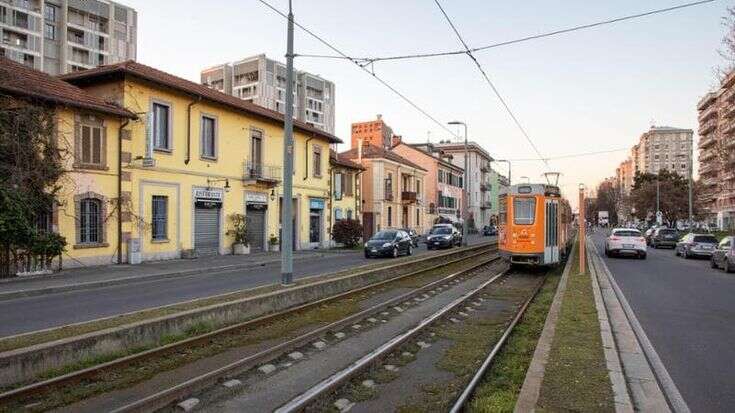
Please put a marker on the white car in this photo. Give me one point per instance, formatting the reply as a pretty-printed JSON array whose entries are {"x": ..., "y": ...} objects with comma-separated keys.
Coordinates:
[{"x": 627, "y": 241}]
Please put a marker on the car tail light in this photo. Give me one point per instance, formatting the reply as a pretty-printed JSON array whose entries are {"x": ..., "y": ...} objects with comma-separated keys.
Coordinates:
[
  {"x": 614, "y": 238},
  {"x": 641, "y": 239}
]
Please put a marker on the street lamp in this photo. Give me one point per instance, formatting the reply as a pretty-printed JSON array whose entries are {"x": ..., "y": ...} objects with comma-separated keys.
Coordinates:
[
  {"x": 288, "y": 146},
  {"x": 465, "y": 193}
]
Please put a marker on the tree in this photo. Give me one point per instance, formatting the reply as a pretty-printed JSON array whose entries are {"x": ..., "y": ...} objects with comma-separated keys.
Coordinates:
[
  {"x": 608, "y": 199},
  {"x": 347, "y": 232},
  {"x": 673, "y": 195}
]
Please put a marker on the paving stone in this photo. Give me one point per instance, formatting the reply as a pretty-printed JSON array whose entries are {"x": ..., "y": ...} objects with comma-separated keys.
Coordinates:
[
  {"x": 383, "y": 321},
  {"x": 476, "y": 304},
  {"x": 433, "y": 334},
  {"x": 286, "y": 365},
  {"x": 463, "y": 314},
  {"x": 319, "y": 345},
  {"x": 470, "y": 309},
  {"x": 339, "y": 335},
  {"x": 423, "y": 344},
  {"x": 267, "y": 368},
  {"x": 368, "y": 383},
  {"x": 399, "y": 309},
  {"x": 390, "y": 367},
  {"x": 343, "y": 405},
  {"x": 188, "y": 404},
  {"x": 454, "y": 320},
  {"x": 232, "y": 383},
  {"x": 426, "y": 296},
  {"x": 385, "y": 313},
  {"x": 407, "y": 354},
  {"x": 417, "y": 299},
  {"x": 296, "y": 355},
  {"x": 373, "y": 320},
  {"x": 356, "y": 327}
]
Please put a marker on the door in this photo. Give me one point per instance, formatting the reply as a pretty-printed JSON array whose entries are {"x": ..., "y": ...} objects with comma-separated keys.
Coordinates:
[
  {"x": 551, "y": 247},
  {"x": 315, "y": 225},
  {"x": 367, "y": 225},
  {"x": 256, "y": 227},
  {"x": 404, "y": 218},
  {"x": 206, "y": 230}
]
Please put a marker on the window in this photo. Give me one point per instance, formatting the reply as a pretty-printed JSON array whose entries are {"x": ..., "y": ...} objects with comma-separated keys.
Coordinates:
[
  {"x": 90, "y": 221},
  {"x": 209, "y": 137},
  {"x": 418, "y": 188},
  {"x": 390, "y": 216},
  {"x": 418, "y": 217},
  {"x": 349, "y": 214},
  {"x": 338, "y": 186},
  {"x": 388, "y": 187},
  {"x": 159, "y": 217},
  {"x": 161, "y": 127},
  {"x": 50, "y": 12},
  {"x": 502, "y": 209},
  {"x": 49, "y": 32},
  {"x": 256, "y": 146},
  {"x": 337, "y": 214},
  {"x": 21, "y": 19},
  {"x": 347, "y": 184},
  {"x": 524, "y": 210},
  {"x": 317, "y": 161},
  {"x": 90, "y": 146}
]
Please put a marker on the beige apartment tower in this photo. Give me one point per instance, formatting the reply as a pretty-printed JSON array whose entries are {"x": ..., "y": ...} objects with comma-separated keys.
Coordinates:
[
  {"x": 262, "y": 81},
  {"x": 63, "y": 36},
  {"x": 663, "y": 147}
]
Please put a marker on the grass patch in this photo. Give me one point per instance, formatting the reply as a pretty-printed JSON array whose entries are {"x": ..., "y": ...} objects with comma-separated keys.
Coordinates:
[
  {"x": 499, "y": 389},
  {"x": 576, "y": 377}
]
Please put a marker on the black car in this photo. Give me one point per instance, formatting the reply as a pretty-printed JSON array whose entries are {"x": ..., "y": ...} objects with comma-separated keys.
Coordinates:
[
  {"x": 414, "y": 236},
  {"x": 664, "y": 237},
  {"x": 696, "y": 245},
  {"x": 389, "y": 243},
  {"x": 443, "y": 237},
  {"x": 489, "y": 230}
]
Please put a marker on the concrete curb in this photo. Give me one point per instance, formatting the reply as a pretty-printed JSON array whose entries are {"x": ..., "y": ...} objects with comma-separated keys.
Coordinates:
[
  {"x": 623, "y": 403},
  {"x": 650, "y": 386},
  {"x": 144, "y": 278},
  {"x": 531, "y": 389}
]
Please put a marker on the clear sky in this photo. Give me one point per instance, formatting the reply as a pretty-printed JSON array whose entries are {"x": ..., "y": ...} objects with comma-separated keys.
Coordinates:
[{"x": 590, "y": 90}]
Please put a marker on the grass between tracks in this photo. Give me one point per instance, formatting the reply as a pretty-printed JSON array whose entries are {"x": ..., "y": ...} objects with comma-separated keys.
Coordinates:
[{"x": 279, "y": 329}]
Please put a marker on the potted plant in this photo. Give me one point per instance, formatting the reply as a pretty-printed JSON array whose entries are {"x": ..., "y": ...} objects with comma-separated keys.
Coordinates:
[
  {"x": 239, "y": 232},
  {"x": 273, "y": 243}
]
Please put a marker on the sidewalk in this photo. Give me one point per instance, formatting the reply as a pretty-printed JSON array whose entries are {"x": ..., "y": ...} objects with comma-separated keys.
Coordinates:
[{"x": 98, "y": 276}]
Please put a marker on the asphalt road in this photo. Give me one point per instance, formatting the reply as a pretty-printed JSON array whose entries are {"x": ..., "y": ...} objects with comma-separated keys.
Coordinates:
[
  {"x": 23, "y": 315},
  {"x": 687, "y": 310}
]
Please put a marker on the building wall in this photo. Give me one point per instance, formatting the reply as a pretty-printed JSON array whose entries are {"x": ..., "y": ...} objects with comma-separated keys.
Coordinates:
[
  {"x": 376, "y": 133},
  {"x": 347, "y": 204}
]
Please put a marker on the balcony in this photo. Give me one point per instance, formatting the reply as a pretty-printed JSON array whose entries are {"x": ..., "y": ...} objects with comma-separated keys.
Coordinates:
[
  {"x": 728, "y": 127},
  {"x": 485, "y": 168},
  {"x": 711, "y": 111},
  {"x": 388, "y": 195},
  {"x": 707, "y": 100},
  {"x": 706, "y": 155},
  {"x": 728, "y": 95},
  {"x": 708, "y": 126},
  {"x": 708, "y": 169},
  {"x": 486, "y": 205},
  {"x": 485, "y": 187},
  {"x": 408, "y": 197},
  {"x": 729, "y": 80},
  {"x": 728, "y": 110},
  {"x": 259, "y": 174},
  {"x": 706, "y": 141}
]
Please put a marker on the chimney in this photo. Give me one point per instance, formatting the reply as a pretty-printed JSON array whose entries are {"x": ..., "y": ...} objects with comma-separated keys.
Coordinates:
[{"x": 396, "y": 140}]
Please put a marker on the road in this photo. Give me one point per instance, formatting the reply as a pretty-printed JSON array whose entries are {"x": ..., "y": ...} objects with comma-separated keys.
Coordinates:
[
  {"x": 687, "y": 311},
  {"x": 28, "y": 314}
]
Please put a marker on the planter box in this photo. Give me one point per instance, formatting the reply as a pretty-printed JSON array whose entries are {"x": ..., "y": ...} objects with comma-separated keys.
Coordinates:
[
  {"x": 274, "y": 248},
  {"x": 240, "y": 249}
]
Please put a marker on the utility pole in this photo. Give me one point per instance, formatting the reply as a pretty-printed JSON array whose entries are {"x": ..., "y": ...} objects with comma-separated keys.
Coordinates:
[
  {"x": 466, "y": 194},
  {"x": 582, "y": 230},
  {"x": 691, "y": 200},
  {"x": 288, "y": 148},
  {"x": 658, "y": 197}
]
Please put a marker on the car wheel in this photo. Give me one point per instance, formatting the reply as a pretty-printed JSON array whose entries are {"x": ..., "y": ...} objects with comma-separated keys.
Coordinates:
[
  {"x": 687, "y": 255},
  {"x": 713, "y": 263},
  {"x": 410, "y": 250},
  {"x": 643, "y": 256},
  {"x": 395, "y": 252}
]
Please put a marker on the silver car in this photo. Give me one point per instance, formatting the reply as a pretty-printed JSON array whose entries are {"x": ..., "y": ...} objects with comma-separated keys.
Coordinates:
[
  {"x": 696, "y": 245},
  {"x": 724, "y": 256}
]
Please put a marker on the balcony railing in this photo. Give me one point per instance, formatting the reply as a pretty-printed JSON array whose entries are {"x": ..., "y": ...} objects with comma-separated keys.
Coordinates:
[
  {"x": 484, "y": 187},
  {"x": 388, "y": 195},
  {"x": 485, "y": 168},
  {"x": 729, "y": 127},
  {"x": 486, "y": 205},
  {"x": 708, "y": 126},
  {"x": 706, "y": 141},
  {"x": 708, "y": 99},
  {"x": 260, "y": 173},
  {"x": 408, "y": 196},
  {"x": 707, "y": 113}
]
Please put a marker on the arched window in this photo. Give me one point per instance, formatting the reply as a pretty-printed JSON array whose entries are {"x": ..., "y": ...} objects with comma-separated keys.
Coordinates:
[
  {"x": 337, "y": 214},
  {"x": 90, "y": 221},
  {"x": 349, "y": 214}
]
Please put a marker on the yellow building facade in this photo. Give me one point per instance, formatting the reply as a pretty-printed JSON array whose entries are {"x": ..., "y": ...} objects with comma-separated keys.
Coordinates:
[
  {"x": 346, "y": 199},
  {"x": 192, "y": 159}
]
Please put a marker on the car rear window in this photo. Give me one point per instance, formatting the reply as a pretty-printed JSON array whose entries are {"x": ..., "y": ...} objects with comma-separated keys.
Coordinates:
[
  {"x": 705, "y": 238},
  {"x": 627, "y": 233},
  {"x": 667, "y": 231}
]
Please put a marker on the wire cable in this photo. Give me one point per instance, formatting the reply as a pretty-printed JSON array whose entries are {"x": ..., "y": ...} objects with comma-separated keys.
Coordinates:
[
  {"x": 574, "y": 155},
  {"x": 363, "y": 67},
  {"x": 492, "y": 85},
  {"x": 368, "y": 60}
]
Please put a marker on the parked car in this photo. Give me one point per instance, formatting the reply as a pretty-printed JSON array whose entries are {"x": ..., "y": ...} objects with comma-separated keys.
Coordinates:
[
  {"x": 442, "y": 236},
  {"x": 626, "y": 241},
  {"x": 664, "y": 237},
  {"x": 389, "y": 243},
  {"x": 489, "y": 230},
  {"x": 724, "y": 256},
  {"x": 414, "y": 236},
  {"x": 648, "y": 234},
  {"x": 696, "y": 245}
]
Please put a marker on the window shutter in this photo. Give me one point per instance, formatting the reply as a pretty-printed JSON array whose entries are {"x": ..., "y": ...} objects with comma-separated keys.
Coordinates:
[
  {"x": 338, "y": 186},
  {"x": 86, "y": 144},
  {"x": 96, "y": 149},
  {"x": 77, "y": 143}
]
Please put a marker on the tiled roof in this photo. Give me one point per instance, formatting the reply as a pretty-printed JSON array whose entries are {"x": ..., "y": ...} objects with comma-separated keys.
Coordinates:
[
  {"x": 377, "y": 152},
  {"x": 166, "y": 79},
  {"x": 20, "y": 80},
  {"x": 343, "y": 161},
  {"x": 418, "y": 148}
]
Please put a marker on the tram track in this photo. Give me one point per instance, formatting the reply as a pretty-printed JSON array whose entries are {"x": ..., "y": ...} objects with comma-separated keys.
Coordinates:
[{"x": 30, "y": 395}]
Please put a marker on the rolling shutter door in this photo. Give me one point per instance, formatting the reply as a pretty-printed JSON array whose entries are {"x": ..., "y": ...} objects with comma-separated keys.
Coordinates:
[
  {"x": 206, "y": 230},
  {"x": 256, "y": 229}
]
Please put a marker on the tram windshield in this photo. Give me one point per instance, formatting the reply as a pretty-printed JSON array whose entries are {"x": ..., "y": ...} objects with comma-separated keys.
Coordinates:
[{"x": 524, "y": 211}]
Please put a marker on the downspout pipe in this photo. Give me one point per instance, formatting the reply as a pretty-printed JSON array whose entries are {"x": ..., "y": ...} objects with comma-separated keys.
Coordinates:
[
  {"x": 306, "y": 174},
  {"x": 188, "y": 129},
  {"x": 119, "y": 191}
]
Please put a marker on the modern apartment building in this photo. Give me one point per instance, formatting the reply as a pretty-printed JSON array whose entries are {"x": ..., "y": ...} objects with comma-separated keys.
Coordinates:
[
  {"x": 663, "y": 147},
  {"x": 498, "y": 183},
  {"x": 717, "y": 153},
  {"x": 63, "y": 36},
  {"x": 624, "y": 176},
  {"x": 262, "y": 81}
]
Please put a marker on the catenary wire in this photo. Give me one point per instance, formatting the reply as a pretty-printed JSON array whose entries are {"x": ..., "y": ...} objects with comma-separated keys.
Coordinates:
[
  {"x": 361, "y": 66},
  {"x": 367, "y": 60},
  {"x": 574, "y": 155},
  {"x": 491, "y": 84}
]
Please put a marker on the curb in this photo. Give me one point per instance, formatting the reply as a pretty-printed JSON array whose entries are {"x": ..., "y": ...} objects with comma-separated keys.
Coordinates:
[
  {"x": 145, "y": 278},
  {"x": 531, "y": 389}
]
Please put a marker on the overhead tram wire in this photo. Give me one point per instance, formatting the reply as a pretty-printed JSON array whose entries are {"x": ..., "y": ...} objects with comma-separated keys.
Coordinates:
[
  {"x": 370, "y": 60},
  {"x": 363, "y": 67},
  {"x": 575, "y": 155},
  {"x": 492, "y": 85}
]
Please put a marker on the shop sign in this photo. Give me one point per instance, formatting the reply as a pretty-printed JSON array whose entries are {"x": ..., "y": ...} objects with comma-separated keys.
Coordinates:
[
  {"x": 207, "y": 195},
  {"x": 256, "y": 198},
  {"x": 316, "y": 203}
]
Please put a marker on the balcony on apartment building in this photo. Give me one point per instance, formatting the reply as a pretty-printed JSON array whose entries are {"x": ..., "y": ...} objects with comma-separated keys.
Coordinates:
[
  {"x": 485, "y": 187},
  {"x": 707, "y": 126},
  {"x": 728, "y": 127},
  {"x": 728, "y": 96},
  {"x": 82, "y": 20},
  {"x": 706, "y": 141},
  {"x": 729, "y": 80},
  {"x": 485, "y": 168},
  {"x": 33, "y": 6},
  {"x": 706, "y": 155},
  {"x": 708, "y": 169},
  {"x": 706, "y": 100},
  {"x": 486, "y": 205},
  {"x": 408, "y": 197},
  {"x": 709, "y": 112},
  {"x": 260, "y": 174}
]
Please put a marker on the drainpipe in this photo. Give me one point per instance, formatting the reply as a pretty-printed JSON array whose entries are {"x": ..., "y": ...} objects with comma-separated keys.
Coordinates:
[
  {"x": 188, "y": 130},
  {"x": 306, "y": 174},
  {"x": 119, "y": 191}
]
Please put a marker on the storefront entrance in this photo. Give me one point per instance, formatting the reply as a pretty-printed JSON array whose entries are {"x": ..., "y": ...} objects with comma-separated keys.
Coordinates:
[
  {"x": 207, "y": 221},
  {"x": 256, "y": 208},
  {"x": 316, "y": 217}
]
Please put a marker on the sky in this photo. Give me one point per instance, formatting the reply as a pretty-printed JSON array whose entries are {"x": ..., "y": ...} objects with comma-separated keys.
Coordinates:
[{"x": 592, "y": 90}]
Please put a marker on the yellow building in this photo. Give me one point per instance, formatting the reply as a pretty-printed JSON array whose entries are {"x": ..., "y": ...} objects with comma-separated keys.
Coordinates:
[
  {"x": 192, "y": 159},
  {"x": 345, "y": 202}
]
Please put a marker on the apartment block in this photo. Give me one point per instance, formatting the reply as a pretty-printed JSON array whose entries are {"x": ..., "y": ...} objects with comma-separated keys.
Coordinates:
[
  {"x": 663, "y": 147},
  {"x": 375, "y": 132},
  {"x": 63, "y": 36},
  {"x": 624, "y": 176},
  {"x": 262, "y": 81},
  {"x": 717, "y": 153}
]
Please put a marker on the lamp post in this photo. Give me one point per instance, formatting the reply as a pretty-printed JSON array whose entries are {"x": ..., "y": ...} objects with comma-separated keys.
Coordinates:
[
  {"x": 286, "y": 209},
  {"x": 465, "y": 193}
]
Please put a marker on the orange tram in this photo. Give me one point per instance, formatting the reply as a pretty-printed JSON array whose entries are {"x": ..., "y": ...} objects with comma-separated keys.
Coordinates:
[{"x": 534, "y": 225}]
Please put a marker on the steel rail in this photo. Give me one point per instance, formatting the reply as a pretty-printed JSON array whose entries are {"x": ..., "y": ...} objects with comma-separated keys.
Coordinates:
[
  {"x": 34, "y": 389},
  {"x": 470, "y": 388},
  {"x": 337, "y": 379},
  {"x": 167, "y": 396}
]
